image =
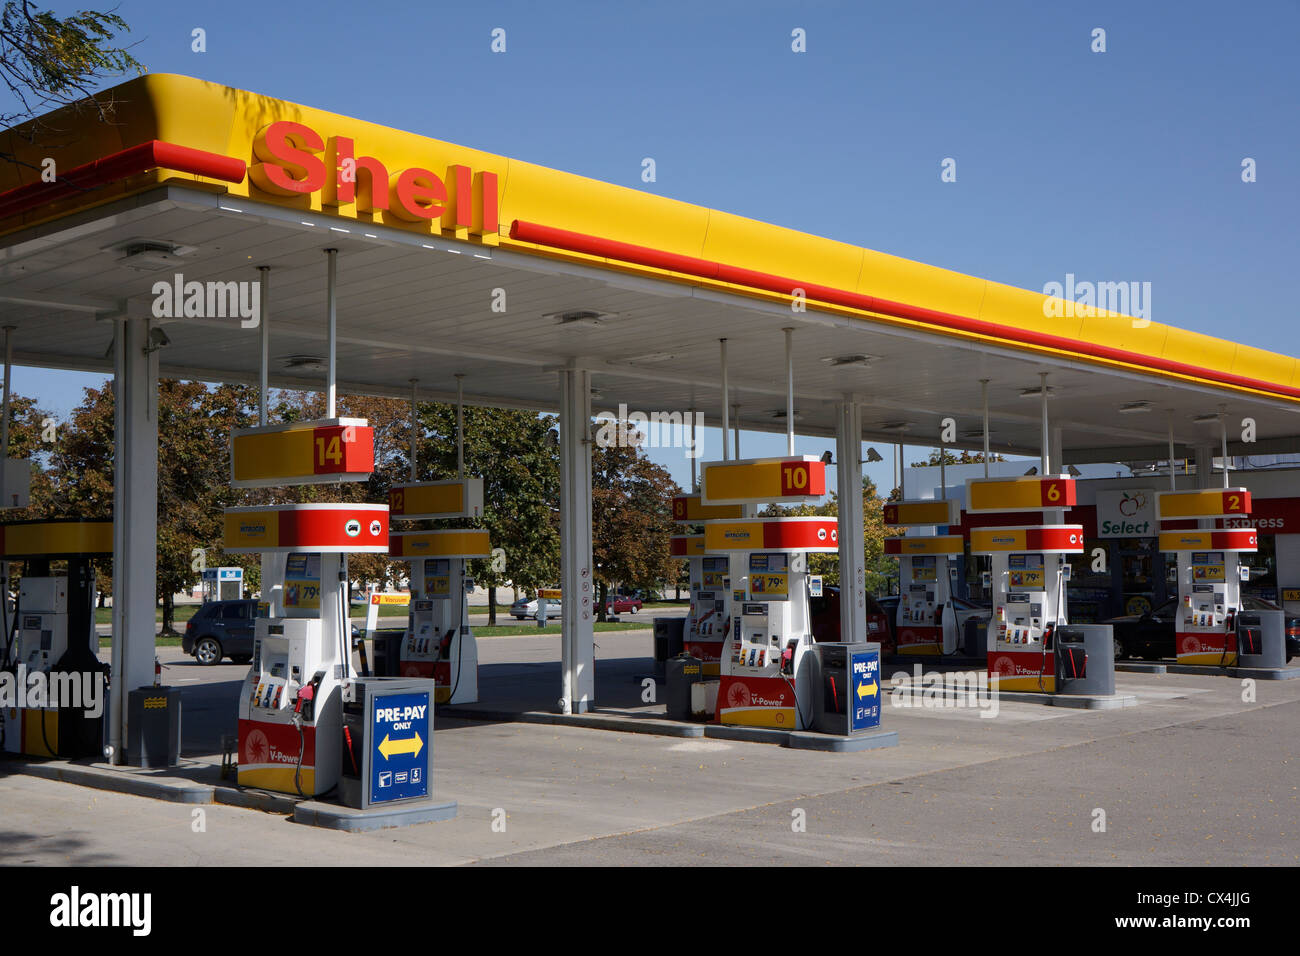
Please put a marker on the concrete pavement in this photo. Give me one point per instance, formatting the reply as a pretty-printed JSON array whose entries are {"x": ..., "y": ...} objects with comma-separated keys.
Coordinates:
[{"x": 1193, "y": 775}]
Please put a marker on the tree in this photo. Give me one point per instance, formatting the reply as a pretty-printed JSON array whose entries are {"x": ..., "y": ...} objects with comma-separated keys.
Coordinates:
[
  {"x": 632, "y": 520},
  {"x": 942, "y": 456},
  {"x": 514, "y": 453},
  {"x": 47, "y": 61},
  {"x": 194, "y": 425},
  {"x": 879, "y": 568}
]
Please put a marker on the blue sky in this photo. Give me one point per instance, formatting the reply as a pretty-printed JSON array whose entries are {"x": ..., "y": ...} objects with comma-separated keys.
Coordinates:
[{"x": 1116, "y": 166}]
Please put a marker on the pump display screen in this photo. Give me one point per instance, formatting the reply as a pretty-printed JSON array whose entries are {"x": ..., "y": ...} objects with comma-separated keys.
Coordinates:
[
  {"x": 302, "y": 580},
  {"x": 1208, "y": 566},
  {"x": 1025, "y": 571},
  {"x": 437, "y": 577},
  {"x": 715, "y": 572},
  {"x": 923, "y": 568},
  {"x": 769, "y": 576}
]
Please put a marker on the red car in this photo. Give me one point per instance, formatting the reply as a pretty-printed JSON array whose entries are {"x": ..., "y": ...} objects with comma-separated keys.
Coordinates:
[
  {"x": 826, "y": 620},
  {"x": 623, "y": 604}
]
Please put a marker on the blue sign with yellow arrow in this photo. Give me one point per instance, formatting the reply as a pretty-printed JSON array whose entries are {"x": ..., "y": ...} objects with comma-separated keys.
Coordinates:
[
  {"x": 399, "y": 741},
  {"x": 864, "y": 684}
]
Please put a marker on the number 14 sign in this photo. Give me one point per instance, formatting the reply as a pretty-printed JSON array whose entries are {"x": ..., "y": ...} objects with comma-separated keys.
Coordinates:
[{"x": 302, "y": 453}]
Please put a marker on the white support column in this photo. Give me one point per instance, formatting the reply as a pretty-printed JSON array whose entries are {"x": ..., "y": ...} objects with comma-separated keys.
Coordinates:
[
  {"x": 135, "y": 519},
  {"x": 853, "y": 584},
  {"x": 577, "y": 604}
]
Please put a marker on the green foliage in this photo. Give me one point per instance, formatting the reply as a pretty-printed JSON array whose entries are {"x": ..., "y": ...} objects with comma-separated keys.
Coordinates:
[
  {"x": 631, "y": 510},
  {"x": 879, "y": 568},
  {"x": 47, "y": 60}
]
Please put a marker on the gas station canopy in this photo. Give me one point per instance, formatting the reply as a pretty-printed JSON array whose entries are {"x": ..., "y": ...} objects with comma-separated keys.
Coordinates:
[{"x": 452, "y": 260}]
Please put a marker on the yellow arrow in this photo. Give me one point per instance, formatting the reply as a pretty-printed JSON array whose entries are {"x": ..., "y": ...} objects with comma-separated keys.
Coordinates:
[
  {"x": 407, "y": 745},
  {"x": 866, "y": 690}
]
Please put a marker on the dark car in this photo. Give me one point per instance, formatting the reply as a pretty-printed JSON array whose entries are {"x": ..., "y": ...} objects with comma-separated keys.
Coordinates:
[
  {"x": 1152, "y": 635},
  {"x": 221, "y": 629},
  {"x": 825, "y": 611}
]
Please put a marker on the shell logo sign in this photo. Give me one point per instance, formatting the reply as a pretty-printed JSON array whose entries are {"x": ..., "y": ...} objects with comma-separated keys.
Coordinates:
[{"x": 292, "y": 159}]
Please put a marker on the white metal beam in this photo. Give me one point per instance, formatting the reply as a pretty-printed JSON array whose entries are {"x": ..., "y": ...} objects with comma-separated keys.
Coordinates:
[
  {"x": 848, "y": 455},
  {"x": 577, "y": 601},
  {"x": 135, "y": 519}
]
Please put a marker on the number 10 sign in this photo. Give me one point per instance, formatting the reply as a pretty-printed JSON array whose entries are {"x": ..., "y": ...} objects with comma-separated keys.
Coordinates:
[{"x": 795, "y": 480}]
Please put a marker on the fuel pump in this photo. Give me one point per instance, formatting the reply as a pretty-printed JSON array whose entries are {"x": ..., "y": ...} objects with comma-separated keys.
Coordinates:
[
  {"x": 290, "y": 705},
  {"x": 439, "y": 642},
  {"x": 926, "y": 622},
  {"x": 50, "y": 646},
  {"x": 708, "y": 622},
  {"x": 1028, "y": 574},
  {"x": 1210, "y": 572},
  {"x": 765, "y": 670}
]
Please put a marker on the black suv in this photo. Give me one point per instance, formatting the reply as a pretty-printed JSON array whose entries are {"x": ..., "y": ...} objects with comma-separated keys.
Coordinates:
[{"x": 221, "y": 629}]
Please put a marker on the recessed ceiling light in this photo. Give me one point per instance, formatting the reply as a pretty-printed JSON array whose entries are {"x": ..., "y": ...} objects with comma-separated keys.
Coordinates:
[
  {"x": 1206, "y": 418},
  {"x": 151, "y": 255},
  {"x": 974, "y": 433},
  {"x": 780, "y": 413},
  {"x": 1135, "y": 408},
  {"x": 580, "y": 318},
  {"x": 839, "y": 361},
  {"x": 304, "y": 363},
  {"x": 895, "y": 426},
  {"x": 1036, "y": 392}
]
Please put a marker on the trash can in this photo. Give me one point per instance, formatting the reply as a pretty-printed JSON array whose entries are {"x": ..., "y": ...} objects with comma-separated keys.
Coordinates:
[
  {"x": 153, "y": 722},
  {"x": 975, "y": 639},
  {"x": 388, "y": 653},
  {"x": 681, "y": 672},
  {"x": 1085, "y": 658},
  {"x": 669, "y": 641},
  {"x": 1261, "y": 638}
]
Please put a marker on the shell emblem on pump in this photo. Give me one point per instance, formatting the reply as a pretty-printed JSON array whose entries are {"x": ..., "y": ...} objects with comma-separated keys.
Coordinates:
[
  {"x": 257, "y": 749},
  {"x": 737, "y": 695},
  {"x": 1005, "y": 667}
]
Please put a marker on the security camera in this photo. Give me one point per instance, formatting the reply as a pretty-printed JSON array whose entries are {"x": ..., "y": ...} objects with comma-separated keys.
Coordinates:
[{"x": 157, "y": 340}]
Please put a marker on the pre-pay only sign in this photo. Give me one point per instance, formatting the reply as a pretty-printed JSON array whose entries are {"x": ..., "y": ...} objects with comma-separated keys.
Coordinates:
[
  {"x": 399, "y": 741},
  {"x": 864, "y": 687}
]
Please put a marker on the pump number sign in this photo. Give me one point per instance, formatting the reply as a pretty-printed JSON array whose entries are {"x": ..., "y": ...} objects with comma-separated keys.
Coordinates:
[
  {"x": 763, "y": 479},
  {"x": 1036, "y": 493},
  {"x": 399, "y": 743},
  {"x": 304, "y": 453}
]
